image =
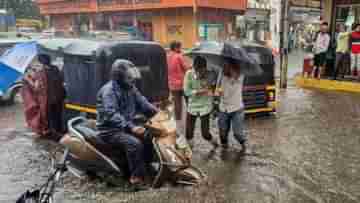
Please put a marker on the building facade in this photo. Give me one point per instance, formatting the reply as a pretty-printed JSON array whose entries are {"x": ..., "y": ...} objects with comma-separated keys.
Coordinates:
[
  {"x": 346, "y": 12},
  {"x": 187, "y": 21},
  {"x": 275, "y": 16},
  {"x": 7, "y": 21},
  {"x": 341, "y": 12},
  {"x": 258, "y": 20}
]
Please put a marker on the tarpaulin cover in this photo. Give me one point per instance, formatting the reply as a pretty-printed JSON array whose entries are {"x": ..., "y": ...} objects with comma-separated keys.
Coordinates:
[
  {"x": 85, "y": 75},
  {"x": 14, "y": 62}
]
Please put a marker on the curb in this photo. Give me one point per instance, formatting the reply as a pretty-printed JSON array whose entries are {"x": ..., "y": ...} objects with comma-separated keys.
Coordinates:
[{"x": 331, "y": 85}]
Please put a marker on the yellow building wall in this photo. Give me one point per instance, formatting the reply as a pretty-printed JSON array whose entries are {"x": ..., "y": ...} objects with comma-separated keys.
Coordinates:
[
  {"x": 159, "y": 28},
  {"x": 176, "y": 24}
]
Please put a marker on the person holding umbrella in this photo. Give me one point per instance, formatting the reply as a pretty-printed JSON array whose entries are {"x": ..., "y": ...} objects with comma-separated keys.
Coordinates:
[
  {"x": 231, "y": 106},
  {"x": 233, "y": 64}
]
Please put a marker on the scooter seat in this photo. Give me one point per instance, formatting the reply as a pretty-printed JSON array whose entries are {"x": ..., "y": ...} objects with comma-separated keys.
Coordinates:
[{"x": 92, "y": 136}]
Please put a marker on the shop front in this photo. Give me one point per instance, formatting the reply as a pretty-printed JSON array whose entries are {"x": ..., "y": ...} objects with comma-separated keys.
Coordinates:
[
  {"x": 215, "y": 24},
  {"x": 188, "y": 27},
  {"x": 187, "y": 21},
  {"x": 174, "y": 24},
  {"x": 257, "y": 24},
  {"x": 347, "y": 12},
  {"x": 339, "y": 12},
  {"x": 138, "y": 24}
]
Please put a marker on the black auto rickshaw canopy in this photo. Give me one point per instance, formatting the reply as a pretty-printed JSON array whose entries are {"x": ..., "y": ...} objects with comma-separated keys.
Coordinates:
[
  {"x": 264, "y": 57},
  {"x": 87, "y": 65}
]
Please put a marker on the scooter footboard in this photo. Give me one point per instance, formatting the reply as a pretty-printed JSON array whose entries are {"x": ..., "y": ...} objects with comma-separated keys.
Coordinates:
[{"x": 173, "y": 167}]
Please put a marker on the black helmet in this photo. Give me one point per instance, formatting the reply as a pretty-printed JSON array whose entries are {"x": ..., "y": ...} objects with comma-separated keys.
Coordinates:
[{"x": 124, "y": 72}]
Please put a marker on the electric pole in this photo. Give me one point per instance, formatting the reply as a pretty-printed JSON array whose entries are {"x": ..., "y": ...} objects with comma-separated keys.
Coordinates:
[{"x": 284, "y": 41}]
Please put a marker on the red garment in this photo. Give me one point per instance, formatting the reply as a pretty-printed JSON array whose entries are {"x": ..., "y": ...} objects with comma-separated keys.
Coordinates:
[
  {"x": 176, "y": 70},
  {"x": 355, "y": 42},
  {"x": 35, "y": 103}
]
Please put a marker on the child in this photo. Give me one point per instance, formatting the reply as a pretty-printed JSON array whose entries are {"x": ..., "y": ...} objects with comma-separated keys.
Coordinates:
[{"x": 200, "y": 100}]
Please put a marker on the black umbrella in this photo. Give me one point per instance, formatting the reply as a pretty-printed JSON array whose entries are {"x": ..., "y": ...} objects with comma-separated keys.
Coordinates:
[{"x": 216, "y": 54}]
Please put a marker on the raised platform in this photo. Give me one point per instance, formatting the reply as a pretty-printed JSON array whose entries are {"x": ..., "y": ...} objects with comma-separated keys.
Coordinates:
[{"x": 332, "y": 85}]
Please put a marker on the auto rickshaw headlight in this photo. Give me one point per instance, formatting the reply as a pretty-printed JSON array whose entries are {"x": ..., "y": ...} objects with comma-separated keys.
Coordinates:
[{"x": 271, "y": 96}]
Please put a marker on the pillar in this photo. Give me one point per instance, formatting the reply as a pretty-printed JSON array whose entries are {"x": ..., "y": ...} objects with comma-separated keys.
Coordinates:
[
  {"x": 92, "y": 22},
  {"x": 327, "y": 10},
  {"x": 111, "y": 23}
]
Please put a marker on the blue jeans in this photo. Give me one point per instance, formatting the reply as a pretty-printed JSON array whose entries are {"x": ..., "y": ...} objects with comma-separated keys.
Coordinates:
[{"x": 234, "y": 120}]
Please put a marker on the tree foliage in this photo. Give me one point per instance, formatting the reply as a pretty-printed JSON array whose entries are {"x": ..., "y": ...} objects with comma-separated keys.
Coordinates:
[{"x": 21, "y": 8}]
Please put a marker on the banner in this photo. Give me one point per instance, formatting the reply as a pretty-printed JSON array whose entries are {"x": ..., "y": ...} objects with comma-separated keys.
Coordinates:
[{"x": 14, "y": 62}]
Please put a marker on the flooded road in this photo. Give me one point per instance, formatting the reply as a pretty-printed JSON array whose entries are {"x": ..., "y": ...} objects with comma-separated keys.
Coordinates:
[{"x": 308, "y": 153}]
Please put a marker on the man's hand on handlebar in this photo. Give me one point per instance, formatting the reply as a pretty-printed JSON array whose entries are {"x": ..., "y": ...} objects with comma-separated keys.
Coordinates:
[{"x": 139, "y": 131}]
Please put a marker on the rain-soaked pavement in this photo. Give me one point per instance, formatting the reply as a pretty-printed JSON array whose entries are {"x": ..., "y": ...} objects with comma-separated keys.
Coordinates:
[{"x": 308, "y": 153}]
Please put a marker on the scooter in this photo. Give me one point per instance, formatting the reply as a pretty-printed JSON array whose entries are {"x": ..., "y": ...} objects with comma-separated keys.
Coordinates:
[
  {"x": 86, "y": 153},
  {"x": 89, "y": 154}
]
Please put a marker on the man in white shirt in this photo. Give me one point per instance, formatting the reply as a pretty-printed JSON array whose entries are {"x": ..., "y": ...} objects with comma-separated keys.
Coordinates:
[
  {"x": 321, "y": 47},
  {"x": 231, "y": 107}
]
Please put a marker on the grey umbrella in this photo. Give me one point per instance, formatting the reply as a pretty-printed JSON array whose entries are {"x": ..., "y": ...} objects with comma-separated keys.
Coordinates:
[{"x": 216, "y": 54}]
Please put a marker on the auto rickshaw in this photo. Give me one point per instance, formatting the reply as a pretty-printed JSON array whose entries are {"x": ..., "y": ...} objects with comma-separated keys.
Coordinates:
[
  {"x": 87, "y": 65},
  {"x": 260, "y": 91}
]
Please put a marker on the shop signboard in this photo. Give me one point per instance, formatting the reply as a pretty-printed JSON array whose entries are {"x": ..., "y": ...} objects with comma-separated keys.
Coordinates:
[
  {"x": 202, "y": 31},
  {"x": 210, "y": 32},
  {"x": 175, "y": 29},
  {"x": 298, "y": 17}
]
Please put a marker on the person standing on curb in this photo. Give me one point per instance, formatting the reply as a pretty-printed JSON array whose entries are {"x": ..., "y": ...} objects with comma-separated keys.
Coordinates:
[
  {"x": 231, "y": 106},
  {"x": 321, "y": 47},
  {"x": 342, "y": 51},
  {"x": 355, "y": 47}
]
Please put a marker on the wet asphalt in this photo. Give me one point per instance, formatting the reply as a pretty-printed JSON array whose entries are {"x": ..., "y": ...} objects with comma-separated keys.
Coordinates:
[{"x": 307, "y": 153}]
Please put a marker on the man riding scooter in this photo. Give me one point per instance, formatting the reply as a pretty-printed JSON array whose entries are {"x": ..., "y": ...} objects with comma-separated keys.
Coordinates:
[{"x": 118, "y": 102}]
